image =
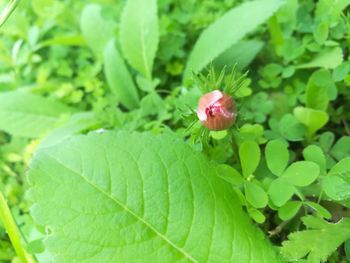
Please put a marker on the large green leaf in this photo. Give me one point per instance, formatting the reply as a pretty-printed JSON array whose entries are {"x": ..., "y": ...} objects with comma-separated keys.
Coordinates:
[
  {"x": 118, "y": 77},
  {"x": 227, "y": 30},
  {"x": 139, "y": 34},
  {"x": 27, "y": 115},
  {"x": 121, "y": 197},
  {"x": 96, "y": 29}
]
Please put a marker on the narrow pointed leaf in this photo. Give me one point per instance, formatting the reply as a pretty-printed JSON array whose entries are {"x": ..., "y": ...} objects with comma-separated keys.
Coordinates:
[
  {"x": 96, "y": 29},
  {"x": 227, "y": 30},
  {"x": 118, "y": 77},
  {"x": 139, "y": 34}
]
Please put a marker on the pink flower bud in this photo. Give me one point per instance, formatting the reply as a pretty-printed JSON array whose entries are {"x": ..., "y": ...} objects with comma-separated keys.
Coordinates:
[{"x": 216, "y": 110}]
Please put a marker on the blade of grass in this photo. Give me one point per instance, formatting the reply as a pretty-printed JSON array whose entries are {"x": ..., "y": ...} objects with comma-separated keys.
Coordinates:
[
  {"x": 12, "y": 230},
  {"x": 5, "y": 14}
]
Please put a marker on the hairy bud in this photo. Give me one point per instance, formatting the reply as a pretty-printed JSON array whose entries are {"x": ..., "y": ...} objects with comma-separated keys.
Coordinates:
[{"x": 216, "y": 110}]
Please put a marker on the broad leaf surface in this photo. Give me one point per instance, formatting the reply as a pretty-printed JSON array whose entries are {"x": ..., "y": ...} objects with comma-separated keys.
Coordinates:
[
  {"x": 121, "y": 197},
  {"x": 227, "y": 30},
  {"x": 139, "y": 34},
  {"x": 27, "y": 115}
]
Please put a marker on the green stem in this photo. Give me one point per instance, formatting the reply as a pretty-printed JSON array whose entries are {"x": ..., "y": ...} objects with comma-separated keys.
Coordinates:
[
  {"x": 276, "y": 33},
  {"x": 5, "y": 14},
  {"x": 235, "y": 150},
  {"x": 12, "y": 230}
]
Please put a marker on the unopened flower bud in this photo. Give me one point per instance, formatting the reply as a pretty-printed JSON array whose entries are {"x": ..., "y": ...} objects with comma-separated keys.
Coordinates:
[{"x": 216, "y": 110}]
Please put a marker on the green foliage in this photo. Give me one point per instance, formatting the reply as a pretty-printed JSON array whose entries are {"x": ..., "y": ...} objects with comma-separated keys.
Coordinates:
[
  {"x": 312, "y": 119},
  {"x": 140, "y": 18},
  {"x": 207, "y": 47},
  {"x": 91, "y": 67},
  {"x": 121, "y": 84},
  {"x": 96, "y": 29},
  {"x": 311, "y": 242},
  {"x": 249, "y": 154},
  {"x": 27, "y": 115},
  {"x": 337, "y": 182},
  {"x": 118, "y": 197}
]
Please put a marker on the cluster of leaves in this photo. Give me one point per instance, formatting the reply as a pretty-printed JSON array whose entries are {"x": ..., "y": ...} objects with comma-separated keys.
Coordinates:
[{"x": 150, "y": 190}]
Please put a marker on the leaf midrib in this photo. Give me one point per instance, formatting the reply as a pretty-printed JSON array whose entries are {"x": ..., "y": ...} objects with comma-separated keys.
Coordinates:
[{"x": 180, "y": 250}]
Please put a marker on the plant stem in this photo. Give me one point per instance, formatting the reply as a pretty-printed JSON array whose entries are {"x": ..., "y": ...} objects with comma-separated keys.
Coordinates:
[
  {"x": 276, "y": 33},
  {"x": 235, "y": 150},
  {"x": 12, "y": 230},
  {"x": 278, "y": 229},
  {"x": 5, "y": 14}
]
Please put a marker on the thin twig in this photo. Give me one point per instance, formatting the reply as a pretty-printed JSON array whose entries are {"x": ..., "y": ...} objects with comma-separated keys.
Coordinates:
[
  {"x": 5, "y": 14},
  {"x": 278, "y": 229}
]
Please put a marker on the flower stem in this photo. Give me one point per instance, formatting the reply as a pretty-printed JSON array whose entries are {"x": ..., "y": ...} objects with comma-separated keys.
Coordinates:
[{"x": 12, "y": 230}]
